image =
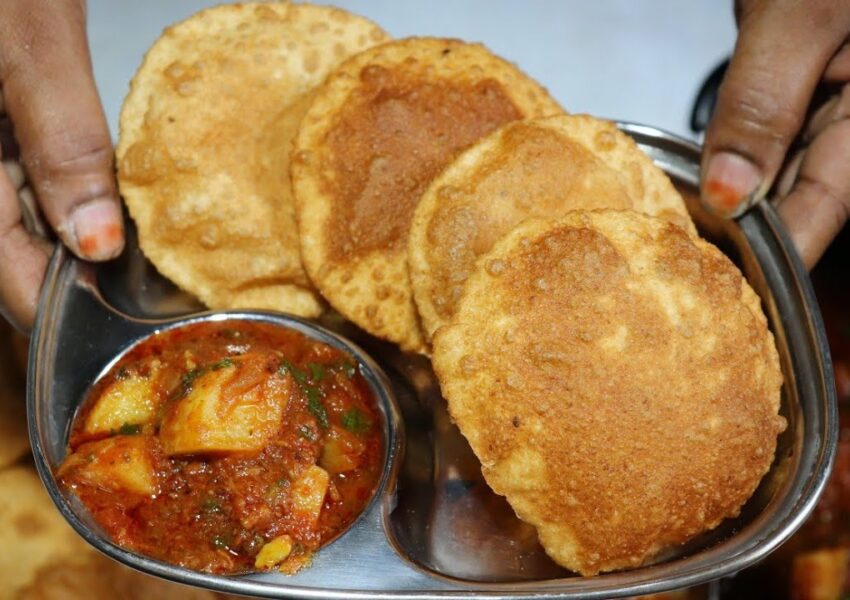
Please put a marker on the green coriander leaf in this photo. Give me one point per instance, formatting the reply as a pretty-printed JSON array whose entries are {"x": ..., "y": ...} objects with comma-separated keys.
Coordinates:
[
  {"x": 315, "y": 406},
  {"x": 210, "y": 505},
  {"x": 222, "y": 364},
  {"x": 355, "y": 421},
  {"x": 190, "y": 377},
  {"x": 128, "y": 429},
  {"x": 317, "y": 372},
  {"x": 349, "y": 369},
  {"x": 297, "y": 374}
]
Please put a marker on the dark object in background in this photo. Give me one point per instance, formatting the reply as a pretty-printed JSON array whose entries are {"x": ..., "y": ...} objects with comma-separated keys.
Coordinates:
[
  {"x": 815, "y": 563},
  {"x": 707, "y": 98}
]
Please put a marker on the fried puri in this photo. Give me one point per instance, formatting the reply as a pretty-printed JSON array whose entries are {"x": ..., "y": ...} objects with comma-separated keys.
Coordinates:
[
  {"x": 378, "y": 131},
  {"x": 616, "y": 377},
  {"x": 535, "y": 168},
  {"x": 14, "y": 442},
  {"x": 205, "y": 137}
]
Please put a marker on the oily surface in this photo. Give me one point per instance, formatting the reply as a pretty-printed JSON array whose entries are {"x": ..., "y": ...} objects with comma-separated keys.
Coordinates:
[
  {"x": 617, "y": 380},
  {"x": 540, "y": 168},
  {"x": 378, "y": 132},
  {"x": 205, "y": 137}
]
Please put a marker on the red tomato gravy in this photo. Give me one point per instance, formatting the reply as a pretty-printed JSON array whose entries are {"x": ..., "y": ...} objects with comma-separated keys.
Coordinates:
[{"x": 227, "y": 447}]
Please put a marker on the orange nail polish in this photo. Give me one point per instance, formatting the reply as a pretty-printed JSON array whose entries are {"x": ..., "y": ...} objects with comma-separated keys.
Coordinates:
[{"x": 730, "y": 184}]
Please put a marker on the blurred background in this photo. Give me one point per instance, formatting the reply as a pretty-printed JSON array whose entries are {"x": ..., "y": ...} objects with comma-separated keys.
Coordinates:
[{"x": 631, "y": 60}]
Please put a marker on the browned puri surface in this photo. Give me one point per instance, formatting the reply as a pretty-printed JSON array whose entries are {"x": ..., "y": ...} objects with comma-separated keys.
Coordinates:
[
  {"x": 617, "y": 380},
  {"x": 533, "y": 168},
  {"x": 380, "y": 129},
  {"x": 205, "y": 138}
]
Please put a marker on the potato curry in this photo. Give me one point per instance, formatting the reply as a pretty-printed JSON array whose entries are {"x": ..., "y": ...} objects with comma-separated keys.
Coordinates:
[{"x": 226, "y": 447}]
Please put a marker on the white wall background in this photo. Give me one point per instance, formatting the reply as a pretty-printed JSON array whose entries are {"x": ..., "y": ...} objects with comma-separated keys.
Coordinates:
[{"x": 638, "y": 60}]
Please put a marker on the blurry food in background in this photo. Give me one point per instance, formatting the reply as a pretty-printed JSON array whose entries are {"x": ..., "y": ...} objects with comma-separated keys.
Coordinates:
[
  {"x": 820, "y": 574},
  {"x": 14, "y": 442},
  {"x": 378, "y": 131},
  {"x": 203, "y": 150},
  {"x": 616, "y": 378},
  {"x": 531, "y": 168},
  {"x": 20, "y": 349},
  {"x": 92, "y": 576},
  {"x": 813, "y": 564},
  {"x": 43, "y": 558},
  {"x": 32, "y": 531}
]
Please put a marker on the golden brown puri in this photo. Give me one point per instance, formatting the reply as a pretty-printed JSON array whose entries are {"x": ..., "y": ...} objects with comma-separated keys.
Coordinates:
[
  {"x": 50, "y": 561},
  {"x": 379, "y": 130},
  {"x": 31, "y": 525},
  {"x": 14, "y": 442},
  {"x": 205, "y": 137},
  {"x": 534, "y": 168},
  {"x": 616, "y": 378}
]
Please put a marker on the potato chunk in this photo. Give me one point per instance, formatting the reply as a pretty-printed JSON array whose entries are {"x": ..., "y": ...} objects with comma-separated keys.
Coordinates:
[
  {"x": 819, "y": 575},
  {"x": 342, "y": 451},
  {"x": 226, "y": 411},
  {"x": 274, "y": 552},
  {"x": 123, "y": 462},
  {"x": 129, "y": 401},
  {"x": 308, "y": 493}
]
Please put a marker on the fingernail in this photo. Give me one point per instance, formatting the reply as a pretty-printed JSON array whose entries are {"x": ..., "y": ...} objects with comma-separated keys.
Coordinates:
[
  {"x": 98, "y": 229},
  {"x": 731, "y": 184}
]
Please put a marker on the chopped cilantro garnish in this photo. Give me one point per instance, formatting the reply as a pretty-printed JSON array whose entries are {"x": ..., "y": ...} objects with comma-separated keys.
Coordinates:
[
  {"x": 122, "y": 373},
  {"x": 210, "y": 505},
  {"x": 317, "y": 372},
  {"x": 128, "y": 429},
  {"x": 355, "y": 421},
  {"x": 297, "y": 374},
  {"x": 190, "y": 377},
  {"x": 314, "y": 394},
  {"x": 307, "y": 433},
  {"x": 315, "y": 406},
  {"x": 222, "y": 364},
  {"x": 347, "y": 368}
]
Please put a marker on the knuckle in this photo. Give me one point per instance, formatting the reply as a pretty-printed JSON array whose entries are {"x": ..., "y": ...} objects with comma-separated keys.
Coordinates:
[
  {"x": 29, "y": 31},
  {"x": 65, "y": 154},
  {"x": 836, "y": 201},
  {"x": 754, "y": 113}
]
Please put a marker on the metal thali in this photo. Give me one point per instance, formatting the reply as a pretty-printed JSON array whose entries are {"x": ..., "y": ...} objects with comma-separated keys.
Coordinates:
[{"x": 435, "y": 530}]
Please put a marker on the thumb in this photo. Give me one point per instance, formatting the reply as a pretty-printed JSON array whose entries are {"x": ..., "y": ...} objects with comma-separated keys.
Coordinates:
[
  {"x": 781, "y": 53},
  {"x": 50, "y": 96}
]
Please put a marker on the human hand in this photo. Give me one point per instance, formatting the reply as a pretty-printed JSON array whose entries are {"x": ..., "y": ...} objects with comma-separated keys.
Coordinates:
[
  {"x": 49, "y": 101},
  {"x": 785, "y": 49}
]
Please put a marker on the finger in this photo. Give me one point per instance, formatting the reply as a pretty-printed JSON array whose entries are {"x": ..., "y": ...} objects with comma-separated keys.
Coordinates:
[
  {"x": 835, "y": 109},
  {"x": 781, "y": 53},
  {"x": 49, "y": 93},
  {"x": 819, "y": 203},
  {"x": 788, "y": 176},
  {"x": 23, "y": 261},
  {"x": 838, "y": 69}
]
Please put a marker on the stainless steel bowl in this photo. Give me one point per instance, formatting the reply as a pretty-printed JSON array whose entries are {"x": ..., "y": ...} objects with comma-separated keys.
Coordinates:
[{"x": 435, "y": 530}]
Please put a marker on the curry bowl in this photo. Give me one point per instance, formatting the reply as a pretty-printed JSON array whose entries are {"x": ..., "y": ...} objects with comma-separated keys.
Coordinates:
[{"x": 433, "y": 528}]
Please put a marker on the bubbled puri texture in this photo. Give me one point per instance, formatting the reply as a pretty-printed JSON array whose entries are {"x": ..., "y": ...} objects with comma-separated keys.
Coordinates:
[
  {"x": 379, "y": 130},
  {"x": 534, "y": 168},
  {"x": 616, "y": 378},
  {"x": 205, "y": 138}
]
